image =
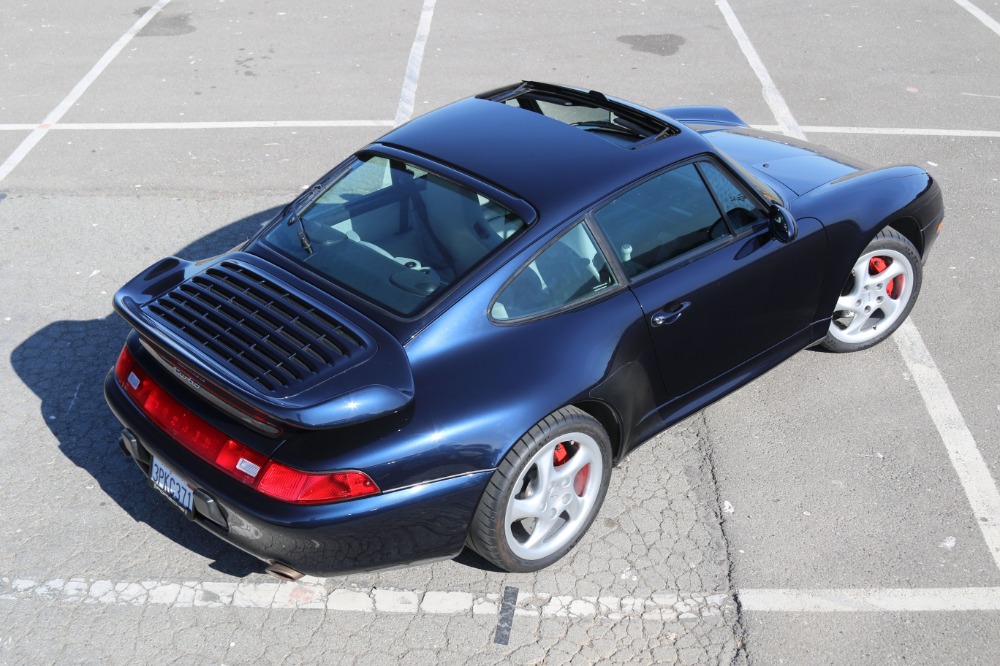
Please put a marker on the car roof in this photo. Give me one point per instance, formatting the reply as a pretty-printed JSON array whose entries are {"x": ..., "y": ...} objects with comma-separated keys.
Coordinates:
[{"x": 555, "y": 167}]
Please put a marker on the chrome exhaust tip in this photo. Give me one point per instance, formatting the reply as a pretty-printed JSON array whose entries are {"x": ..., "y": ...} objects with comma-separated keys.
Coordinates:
[{"x": 283, "y": 572}]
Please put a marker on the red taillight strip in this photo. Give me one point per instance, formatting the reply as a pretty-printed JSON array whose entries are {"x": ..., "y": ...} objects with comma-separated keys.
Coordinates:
[{"x": 235, "y": 459}]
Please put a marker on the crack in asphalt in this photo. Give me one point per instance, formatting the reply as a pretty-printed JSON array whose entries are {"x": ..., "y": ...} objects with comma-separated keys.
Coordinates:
[{"x": 699, "y": 426}]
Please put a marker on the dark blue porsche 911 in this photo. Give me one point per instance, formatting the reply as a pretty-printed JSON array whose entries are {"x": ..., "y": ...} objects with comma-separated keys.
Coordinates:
[{"x": 454, "y": 336}]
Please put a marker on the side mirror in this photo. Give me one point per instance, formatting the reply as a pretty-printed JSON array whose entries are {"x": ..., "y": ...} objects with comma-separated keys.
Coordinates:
[{"x": 782, "y": 224}]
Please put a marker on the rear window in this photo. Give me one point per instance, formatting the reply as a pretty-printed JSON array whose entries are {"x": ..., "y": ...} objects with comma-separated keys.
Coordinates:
[{"x": 395, "y": 234}]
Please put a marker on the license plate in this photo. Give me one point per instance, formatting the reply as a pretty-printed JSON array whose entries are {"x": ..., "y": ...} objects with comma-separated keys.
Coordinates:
[{"x": 171, "y": 485}]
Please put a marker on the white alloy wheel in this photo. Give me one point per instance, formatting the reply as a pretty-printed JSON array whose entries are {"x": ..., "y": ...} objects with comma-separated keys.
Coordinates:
[
  {"x": 555, "y": 496},
  {"x": 878, "y": 295},
  {"x": 882, "y": 288},
  {"x": 544, "y": 494}
]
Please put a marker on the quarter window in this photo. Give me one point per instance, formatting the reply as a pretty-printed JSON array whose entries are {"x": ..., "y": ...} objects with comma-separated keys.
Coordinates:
[{"x": 568, "y": 271}]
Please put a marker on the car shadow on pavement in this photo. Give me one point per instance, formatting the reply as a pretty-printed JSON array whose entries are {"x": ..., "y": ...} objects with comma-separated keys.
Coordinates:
[
  {"x": 474, "y": 560},
  {"x": 65, "y": 363}
]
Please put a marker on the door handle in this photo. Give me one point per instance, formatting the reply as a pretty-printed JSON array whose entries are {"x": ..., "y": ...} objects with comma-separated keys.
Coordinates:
[{"x": 664, "y": 317}]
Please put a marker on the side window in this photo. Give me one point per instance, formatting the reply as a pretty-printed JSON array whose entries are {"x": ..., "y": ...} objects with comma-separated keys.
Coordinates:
[
  {"x": 740, "y": 209},
  {"x": 663, "y": 218},
  {"x": 569, "y": 270}
]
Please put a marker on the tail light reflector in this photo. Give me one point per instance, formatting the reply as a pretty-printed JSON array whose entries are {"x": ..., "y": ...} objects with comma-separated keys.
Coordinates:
[
  {"x": 235, "y": 459},
  {"x": 286, "y": 483}
]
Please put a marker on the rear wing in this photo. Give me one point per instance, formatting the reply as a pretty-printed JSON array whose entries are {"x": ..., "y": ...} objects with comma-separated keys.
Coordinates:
[{"x": 703, "y": 115}]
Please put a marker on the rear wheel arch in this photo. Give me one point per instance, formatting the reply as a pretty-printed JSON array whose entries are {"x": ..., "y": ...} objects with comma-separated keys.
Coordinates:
[
  {"x": 609, "y": 420},
  {"x": 544, "y": 494}
]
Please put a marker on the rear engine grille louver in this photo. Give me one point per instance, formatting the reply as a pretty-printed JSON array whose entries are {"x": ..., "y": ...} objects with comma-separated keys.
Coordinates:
[{"x": 266, "y": 335}]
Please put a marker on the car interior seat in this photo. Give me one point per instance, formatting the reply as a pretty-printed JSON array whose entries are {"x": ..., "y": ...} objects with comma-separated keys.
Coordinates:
[{"x": 455, "y": 219}]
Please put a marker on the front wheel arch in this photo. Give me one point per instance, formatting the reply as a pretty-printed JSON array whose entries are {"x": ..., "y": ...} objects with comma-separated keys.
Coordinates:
[
  {"x": 878, "y": 294},
  {"x": 909, "y": 229}
]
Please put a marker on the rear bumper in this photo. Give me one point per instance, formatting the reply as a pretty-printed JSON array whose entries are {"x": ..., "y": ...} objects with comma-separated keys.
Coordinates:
[{"x": 424, "y": 522}]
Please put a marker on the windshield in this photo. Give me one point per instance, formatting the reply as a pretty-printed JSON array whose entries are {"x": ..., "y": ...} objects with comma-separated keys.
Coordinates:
[{"x": 395, "y": 234}]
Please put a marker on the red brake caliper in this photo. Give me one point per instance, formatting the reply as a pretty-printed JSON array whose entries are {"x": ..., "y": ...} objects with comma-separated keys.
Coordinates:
[
  {"x": 875, "y": 266},
  {"x": 560, "y": 456},
  {"x": 580, "y": 482}
]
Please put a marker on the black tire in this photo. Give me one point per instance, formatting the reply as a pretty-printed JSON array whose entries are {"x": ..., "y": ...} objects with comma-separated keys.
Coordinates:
[
  {"x": 870, "y": 310},
  {"x": 566, "y": 505}
]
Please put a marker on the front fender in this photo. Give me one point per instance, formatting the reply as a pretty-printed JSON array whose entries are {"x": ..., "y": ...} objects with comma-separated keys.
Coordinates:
[{"x": 854, "y": 209}]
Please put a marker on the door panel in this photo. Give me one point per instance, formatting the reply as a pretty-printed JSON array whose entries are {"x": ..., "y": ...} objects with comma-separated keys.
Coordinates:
[
  {"x": 715, "y": 286},
  {"x": 731, "y": 304}
]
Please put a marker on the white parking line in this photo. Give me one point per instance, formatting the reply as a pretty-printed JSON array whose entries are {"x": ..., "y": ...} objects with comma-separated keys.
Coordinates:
[
  {"x": 972, "y": 470},
  {"x": 74, "y": 95},
  {"x": 210, "y": 125},
  {"x": 887, "y": 131},
  {"x": 903, "y": 131},
  {"x": 782, "y": 113},
  {"x": 973, "y": 473},
  {"x": 983, "y": 17},
  {"x": 408, "y": 97},
  {"x": 869, "y": 600},
  {"x": 312, "y": 593}
]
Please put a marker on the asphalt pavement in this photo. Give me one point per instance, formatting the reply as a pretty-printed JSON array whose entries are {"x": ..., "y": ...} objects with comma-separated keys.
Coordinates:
[{"x": 841, "y": 509}]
